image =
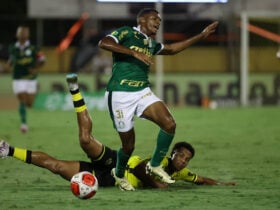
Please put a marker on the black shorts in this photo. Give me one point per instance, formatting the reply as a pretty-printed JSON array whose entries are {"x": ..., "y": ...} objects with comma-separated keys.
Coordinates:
[{"x": 102, "y": 167}]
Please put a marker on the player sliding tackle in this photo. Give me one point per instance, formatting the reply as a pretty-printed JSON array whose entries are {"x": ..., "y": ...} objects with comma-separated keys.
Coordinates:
[{"x": 102, "y": 159}]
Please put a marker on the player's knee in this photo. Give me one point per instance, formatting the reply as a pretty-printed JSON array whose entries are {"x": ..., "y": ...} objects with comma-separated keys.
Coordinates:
[
  {"x": 29, "y": 105},
  {"x": 170, "y": 126},
  {"x": 84, "y": 139}
]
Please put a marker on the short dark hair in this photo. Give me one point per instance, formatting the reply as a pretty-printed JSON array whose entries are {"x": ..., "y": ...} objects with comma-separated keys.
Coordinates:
[
  {"x": 145, "y": 11},
  {"x": 183, "y": 144}
]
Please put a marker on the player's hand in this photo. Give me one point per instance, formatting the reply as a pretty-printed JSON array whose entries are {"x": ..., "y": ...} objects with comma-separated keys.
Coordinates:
[
  {"x": 210, "y": 29},
  {"x": 142, "y": 57}
]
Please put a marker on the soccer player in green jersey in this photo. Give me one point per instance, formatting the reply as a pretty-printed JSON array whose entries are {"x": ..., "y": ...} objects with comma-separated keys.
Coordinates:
[
  {"x": 25, "y": 59},
  {"x": 128, "y": 91}
]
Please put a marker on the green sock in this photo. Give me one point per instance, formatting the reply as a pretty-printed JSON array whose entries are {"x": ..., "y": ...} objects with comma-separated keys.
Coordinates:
[
  {"x": 163, "y": 142},
  {"x": 121, "y": 163},
  {"x": 22, "y": 113}
]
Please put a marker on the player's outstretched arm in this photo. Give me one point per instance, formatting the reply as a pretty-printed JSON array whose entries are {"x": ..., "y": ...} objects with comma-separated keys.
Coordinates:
[
  {"x": 209, "y": 181},
  {"x": 174, "y": 48},
  {"x": 108, "y": 43}
]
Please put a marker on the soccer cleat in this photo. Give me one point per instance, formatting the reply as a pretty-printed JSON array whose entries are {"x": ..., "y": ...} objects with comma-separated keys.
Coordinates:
[
  {"x": 158, "y": 171},
  {"x": 72, "y": 78},
  {"x": 23, "y": 128},
  {"x": 123, "y": 183},
  {"x": 4, "y": 149}
]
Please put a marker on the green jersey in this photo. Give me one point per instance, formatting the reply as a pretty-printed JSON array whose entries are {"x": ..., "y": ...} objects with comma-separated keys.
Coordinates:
[
  {"x": 23, "y": 58},
  {"x": 129, "y": 73}
]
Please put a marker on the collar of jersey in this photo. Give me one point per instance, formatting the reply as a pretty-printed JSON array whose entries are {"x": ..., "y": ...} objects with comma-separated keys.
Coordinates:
[{"x": 138, "y": 29}]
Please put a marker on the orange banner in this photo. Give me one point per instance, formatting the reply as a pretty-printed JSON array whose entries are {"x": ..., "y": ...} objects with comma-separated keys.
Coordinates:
[
  {"x": 264, "y": 33},
  {"x": 64, "y": 44}
]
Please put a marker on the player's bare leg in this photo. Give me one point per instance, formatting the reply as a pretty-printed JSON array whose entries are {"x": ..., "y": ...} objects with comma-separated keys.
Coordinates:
[
  {"x": 25, "y": 101},
  {"x": 128, "y": 139},
  {"x": 92, "y": 147},
  {"x": 23, "y": 111},
  {"x": 159, "y": 114},
  {"x": 89, "y": 144},
  {"x": 30, "y": 100},
  {"x": 66, "y": 169}
]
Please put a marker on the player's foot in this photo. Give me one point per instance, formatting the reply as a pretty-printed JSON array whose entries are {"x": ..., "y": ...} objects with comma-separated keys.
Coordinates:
[
  {"x": 4, "y": 149},
  {"x": 122, "y": 182},
  {"x": 23, "y": 128},
  {"x": 158, "y": 171},
  {"x": 72, "y": 81}
]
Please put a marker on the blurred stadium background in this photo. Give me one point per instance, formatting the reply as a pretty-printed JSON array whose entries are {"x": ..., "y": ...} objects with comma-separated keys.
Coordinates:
[{"x": 212, "y": 73}]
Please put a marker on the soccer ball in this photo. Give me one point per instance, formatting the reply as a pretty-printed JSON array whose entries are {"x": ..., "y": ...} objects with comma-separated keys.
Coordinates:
[{"x": 84, "y": 185}]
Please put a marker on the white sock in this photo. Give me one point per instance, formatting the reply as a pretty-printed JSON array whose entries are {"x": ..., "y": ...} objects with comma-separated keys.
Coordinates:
[{"x": 73, "y": 86}]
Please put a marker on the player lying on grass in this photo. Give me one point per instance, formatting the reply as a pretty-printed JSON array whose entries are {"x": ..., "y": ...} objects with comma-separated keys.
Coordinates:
[{"x": 103, "y": 159}]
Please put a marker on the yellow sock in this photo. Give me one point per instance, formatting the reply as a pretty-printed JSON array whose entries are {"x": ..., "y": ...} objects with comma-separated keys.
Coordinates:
[
  {"x": 78, "y": 101},
  {"x": 20, "y": 154}
]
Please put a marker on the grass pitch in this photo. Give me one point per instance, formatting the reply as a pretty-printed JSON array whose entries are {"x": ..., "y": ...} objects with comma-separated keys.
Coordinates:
[{"x": 240, "y": 145}]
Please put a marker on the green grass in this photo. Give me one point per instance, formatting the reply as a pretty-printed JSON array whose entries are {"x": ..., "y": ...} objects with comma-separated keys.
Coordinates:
[{"x": 240, "y": 145}]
